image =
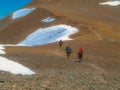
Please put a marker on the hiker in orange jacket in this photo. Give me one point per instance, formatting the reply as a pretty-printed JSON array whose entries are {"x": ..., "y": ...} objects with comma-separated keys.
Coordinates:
[{"x": 80, "y": 54}]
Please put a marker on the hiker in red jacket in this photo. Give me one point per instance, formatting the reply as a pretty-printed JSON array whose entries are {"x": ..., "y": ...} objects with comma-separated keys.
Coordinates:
[
  {"x": 80, "y": 54},
  {"x": 60, "y": 43}
]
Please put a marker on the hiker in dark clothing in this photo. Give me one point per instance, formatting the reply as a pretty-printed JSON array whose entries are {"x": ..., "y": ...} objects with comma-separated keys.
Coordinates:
[
  {"x": 60, "y": 43},
  {"x": 80, "y": 54},
  {"x": 68, "y": 51}
]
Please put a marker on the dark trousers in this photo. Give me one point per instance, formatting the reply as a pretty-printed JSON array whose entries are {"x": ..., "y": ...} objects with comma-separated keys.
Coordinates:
[{"x": 80, "y": 57}]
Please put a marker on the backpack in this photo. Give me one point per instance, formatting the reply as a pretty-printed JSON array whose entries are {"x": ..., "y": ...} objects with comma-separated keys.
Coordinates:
[
  {"x": 68, "y": 50},
  {"x": 80, "y": 52}
]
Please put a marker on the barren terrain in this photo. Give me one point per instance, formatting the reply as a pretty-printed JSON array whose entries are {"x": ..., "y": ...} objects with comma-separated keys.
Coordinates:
[{"x": 99, "y": 36}]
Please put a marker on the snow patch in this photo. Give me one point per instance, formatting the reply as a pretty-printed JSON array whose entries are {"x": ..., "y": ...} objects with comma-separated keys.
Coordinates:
[
  {"x": 22, "y": 13},
  {"x": 14, "y": 67},
  {"x": 48, "y": 20},
  {"x": 111, "y": 3},
  {"x": 1, "y": 47},
  {"x": 11, "y": 45},
  {"x": 49, "y": 35},
  {"x": 11, "y": 66},
  {"x": 2, "y": 50}
]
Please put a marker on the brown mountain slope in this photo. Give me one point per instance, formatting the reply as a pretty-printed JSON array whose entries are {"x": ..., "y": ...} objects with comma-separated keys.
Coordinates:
[
  {"x": 95, "y": 22},
  {"x": 99, "y": 70},
  {"x": 18, "y": 29},
  {"x": 99, "y": 36},
  {"x": 105, "y": 18}
]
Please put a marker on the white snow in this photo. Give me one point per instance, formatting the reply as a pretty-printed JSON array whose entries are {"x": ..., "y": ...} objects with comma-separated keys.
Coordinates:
[
  {"x": 11, "y": 66},
  {"x": 111, "y": 3},
  {"x": 22, "y": 13},
  {"x": 49, "y": 35},
  {"x": 48, "y": 20},
  {"x": 1, "y": 47},
  {"x": 14, "y": 67},
  {"x": 2, "y": 50}
]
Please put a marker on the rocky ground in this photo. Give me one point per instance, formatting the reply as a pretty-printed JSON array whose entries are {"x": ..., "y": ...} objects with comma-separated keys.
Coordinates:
[
  {"x": 99, "y": 69},
  {"x": 98, "y": 35}
]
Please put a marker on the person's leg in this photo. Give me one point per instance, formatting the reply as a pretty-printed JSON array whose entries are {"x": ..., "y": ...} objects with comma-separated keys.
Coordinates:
[
  {"x": 80, "y": 58},
  {"x": 68, "y": 55}
]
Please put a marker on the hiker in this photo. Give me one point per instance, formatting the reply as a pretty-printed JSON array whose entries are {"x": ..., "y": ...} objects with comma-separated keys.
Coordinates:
[
  {"x": 68, "y": 51},
  {"x": 80, "y": 54},
  {"x": 60, "y": 43}
]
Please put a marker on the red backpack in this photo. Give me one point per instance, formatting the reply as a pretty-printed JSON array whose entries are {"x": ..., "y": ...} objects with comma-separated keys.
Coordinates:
[{"x": 80, "y": 52}]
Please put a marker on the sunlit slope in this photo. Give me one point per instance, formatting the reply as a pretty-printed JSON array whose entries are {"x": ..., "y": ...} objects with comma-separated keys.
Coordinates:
[
  {"x": 80, "y": 7},
  {"x": 103, "y": 17},
  {"x": 99, "y": 36},
  {"x": 15, "y": 30},
  {"x": 95, "y": 22}
]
